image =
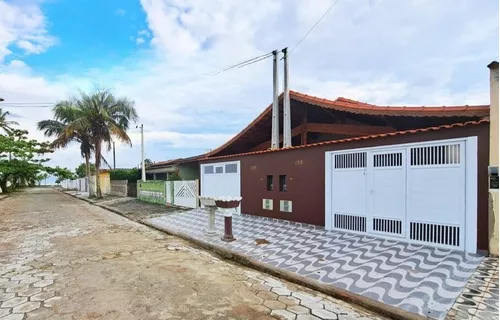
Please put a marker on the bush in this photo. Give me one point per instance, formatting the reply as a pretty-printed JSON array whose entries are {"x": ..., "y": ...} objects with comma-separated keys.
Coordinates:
[
  {"x": 131, "y": 175},
  {"x": 174, "y": 176}
]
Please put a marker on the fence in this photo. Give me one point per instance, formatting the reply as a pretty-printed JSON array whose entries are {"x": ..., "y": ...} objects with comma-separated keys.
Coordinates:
[
  {"x": 80, "y": 184},
  {"x": 151, "y": 191},
  {"x": 179, "y": 193},
  {"x": 119, "y": 188}
]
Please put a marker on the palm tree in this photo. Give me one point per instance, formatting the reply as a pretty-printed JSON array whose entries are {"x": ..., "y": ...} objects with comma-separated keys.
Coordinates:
[
  {"x": 65, "y": 112},
  {"x": 5, "y": 124},
  {"x": 105, "y": 117}
]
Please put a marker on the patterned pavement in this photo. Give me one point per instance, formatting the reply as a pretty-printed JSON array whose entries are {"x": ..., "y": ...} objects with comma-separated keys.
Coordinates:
[
  {"x": 416, "y": 278},
  {"x": 479, "y": 299}
]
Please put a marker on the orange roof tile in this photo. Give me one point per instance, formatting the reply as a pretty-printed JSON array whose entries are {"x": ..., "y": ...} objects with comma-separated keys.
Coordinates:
[
  {"x": 353, "y": 106},
  {"x": 373, "y": 136}
]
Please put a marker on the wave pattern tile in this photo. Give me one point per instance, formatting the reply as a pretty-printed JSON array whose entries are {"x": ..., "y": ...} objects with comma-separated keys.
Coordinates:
[{"x": 416, "y": 278}]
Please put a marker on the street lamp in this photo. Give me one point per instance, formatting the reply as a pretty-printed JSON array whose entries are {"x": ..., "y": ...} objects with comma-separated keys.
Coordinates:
[{"x": 143, "y": 177}]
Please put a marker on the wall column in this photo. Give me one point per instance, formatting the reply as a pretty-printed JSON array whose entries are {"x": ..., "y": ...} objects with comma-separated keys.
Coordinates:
[{"x": 493, "y": 163}]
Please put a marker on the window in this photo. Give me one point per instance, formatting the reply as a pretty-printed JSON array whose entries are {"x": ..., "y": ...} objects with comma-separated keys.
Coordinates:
[
  {"x": 232, "y": 168},
  {"x": 219, "y": 169},
  {"x": 435, "y": 155},
  {"x": 209, "y": 169},
  {"x": 350, "y": 160},
  {"x": 269, "y": 183},
  {"x": 283, "y": 183},
  {"x": 388, "y": 160}
]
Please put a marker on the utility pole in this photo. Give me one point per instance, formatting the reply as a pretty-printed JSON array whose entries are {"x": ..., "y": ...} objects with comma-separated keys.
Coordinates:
[
  {"x": 287, "y": 126},
  {"x": 114, "y": 157},
  {"x": 275, "y": 131},
  {"x": 143, "y": 177}
]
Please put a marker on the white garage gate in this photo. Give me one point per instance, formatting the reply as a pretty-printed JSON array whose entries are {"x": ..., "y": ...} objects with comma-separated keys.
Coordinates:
[
  {"x": 419, "y": 192},
  {"x": 221, "y": 179}
]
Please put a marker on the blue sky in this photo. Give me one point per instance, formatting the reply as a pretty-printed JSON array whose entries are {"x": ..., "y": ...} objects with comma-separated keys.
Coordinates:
[{"x": 156, "y": 52}]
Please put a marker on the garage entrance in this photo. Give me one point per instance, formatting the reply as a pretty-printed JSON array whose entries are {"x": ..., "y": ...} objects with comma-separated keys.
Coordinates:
[
  {"x": 421, "y": 192},
  {"x": 221, "y": 179}
]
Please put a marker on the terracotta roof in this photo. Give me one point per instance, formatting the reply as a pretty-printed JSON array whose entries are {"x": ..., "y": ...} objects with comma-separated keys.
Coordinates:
[
  {"x": 374, "y": 136},
  {"x": 353, "y": 106}
]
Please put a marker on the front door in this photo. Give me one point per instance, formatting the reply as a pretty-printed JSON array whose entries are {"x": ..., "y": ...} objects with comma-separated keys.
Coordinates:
[{"x": 387, "y": 192}]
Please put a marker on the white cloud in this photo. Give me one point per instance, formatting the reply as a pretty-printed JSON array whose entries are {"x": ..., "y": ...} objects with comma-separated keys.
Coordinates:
[
  {"x": 378, "y": 51},
  {"x": 23, "y": 25}
]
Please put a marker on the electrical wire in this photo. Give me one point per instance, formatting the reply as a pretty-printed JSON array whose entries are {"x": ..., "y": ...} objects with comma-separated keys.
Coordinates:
[
  {"x": 242, "y": 63},
  {"x": 314, "y": 26},
  {"x": 25, "y": 106}
]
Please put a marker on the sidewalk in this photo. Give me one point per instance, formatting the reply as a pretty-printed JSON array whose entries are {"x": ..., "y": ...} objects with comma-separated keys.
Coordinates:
[{"x": 414, "y": 279}]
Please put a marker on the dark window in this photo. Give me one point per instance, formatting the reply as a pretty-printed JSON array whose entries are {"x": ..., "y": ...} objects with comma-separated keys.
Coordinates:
[
  {"x": 209, "y": 169},
  {"x": 283, "y": 183},
  {"x": 232, "y": 168},
  {"x": 219, "y": 169},
  {"x": 269, "y": 183}
]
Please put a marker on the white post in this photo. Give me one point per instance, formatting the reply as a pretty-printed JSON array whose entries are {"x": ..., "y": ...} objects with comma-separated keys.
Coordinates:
[
  {"x": 287, "y": 129},
  {"x": 142, "y": 154},
  {"x": 275, "y": 131}
]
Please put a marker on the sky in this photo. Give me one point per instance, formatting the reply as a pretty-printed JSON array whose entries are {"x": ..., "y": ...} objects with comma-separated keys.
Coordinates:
[{"x": 161, "y": 54}]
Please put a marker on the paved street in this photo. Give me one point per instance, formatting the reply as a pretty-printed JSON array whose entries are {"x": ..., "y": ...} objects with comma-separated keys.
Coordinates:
[{"x": 62, "y": 258}]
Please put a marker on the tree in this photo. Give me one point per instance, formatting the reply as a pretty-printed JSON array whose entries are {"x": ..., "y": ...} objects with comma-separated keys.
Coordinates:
[
  {"x": 81, "y": 170},
  {"x": 5, "y": 124},
  {"x": 65, "y": 112},
  {"x": 147, "y": 162},
  {"x": 41, "y": 176},
  {"x": 105, "y": 117},
  {"x": 26, "y": 163},
  {"x": 60, "y": 173}
]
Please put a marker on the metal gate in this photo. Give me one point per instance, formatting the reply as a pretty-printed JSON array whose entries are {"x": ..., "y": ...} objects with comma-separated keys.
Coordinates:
[{"x": 414, "y": 191}]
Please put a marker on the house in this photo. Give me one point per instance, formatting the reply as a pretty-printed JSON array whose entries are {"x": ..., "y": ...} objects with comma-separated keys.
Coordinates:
[
  {"x": 186, "y": 169},
  {"x": 417, "y": 174}
]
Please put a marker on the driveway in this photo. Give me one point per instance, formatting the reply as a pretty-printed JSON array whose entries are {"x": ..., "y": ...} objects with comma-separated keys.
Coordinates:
[
  {"x": 418, "y": 279},
  {"x": 62, "y": 258}
]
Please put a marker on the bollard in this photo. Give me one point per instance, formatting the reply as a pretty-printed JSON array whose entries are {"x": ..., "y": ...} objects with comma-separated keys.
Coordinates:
[
  {"x": 211, "y": 221},
  {"x": 228, "y": 226}
]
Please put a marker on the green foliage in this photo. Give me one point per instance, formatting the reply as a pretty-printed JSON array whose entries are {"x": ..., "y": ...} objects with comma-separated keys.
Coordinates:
[
  {"x": 104, "y": 117},
  {"x": 174, "y": 176},
  {"x": 81, "y": 171},
  {"x": 22, "y": 162},
  {"x": 131, "y": 175},
  {"x": 5, "y": 124}
]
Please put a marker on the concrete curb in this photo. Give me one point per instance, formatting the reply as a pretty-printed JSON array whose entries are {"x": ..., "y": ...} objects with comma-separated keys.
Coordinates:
[{"x": 344, "y": 295}]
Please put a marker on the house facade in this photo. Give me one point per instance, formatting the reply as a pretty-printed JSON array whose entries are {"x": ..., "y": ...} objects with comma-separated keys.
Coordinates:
[{"x": 416, "y": 174}]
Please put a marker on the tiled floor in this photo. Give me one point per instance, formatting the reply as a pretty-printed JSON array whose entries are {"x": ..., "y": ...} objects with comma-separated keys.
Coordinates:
[
  {"x": 416, "y": 278},
  {"x": 479, "y": 299}
]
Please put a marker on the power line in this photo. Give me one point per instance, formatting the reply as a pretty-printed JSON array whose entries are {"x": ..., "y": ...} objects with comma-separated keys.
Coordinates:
[
  {"x": 27, "y": 103},
  {"x": 25, "y": 106},
  {"x": 242, "y": 63},
  {"x": 314, "y": 26}
]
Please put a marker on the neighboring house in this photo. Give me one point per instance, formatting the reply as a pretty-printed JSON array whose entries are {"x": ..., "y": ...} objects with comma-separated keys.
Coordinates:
[
  {"x": 186, "y": 169},
  {"x": 105, "y": 180},
  {"x": 417, "y": 174}
]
